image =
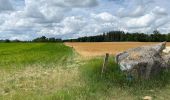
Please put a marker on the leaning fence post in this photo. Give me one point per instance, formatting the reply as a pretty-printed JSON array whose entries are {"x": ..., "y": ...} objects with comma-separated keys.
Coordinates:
[{"x": 105, "y": 63}]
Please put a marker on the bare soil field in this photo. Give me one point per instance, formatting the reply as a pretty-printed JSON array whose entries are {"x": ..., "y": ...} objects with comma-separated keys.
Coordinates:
[{"x": 90, "y": 49}]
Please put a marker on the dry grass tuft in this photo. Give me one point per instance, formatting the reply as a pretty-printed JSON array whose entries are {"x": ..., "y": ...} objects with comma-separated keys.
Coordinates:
[{"x": 33, "y": 79}]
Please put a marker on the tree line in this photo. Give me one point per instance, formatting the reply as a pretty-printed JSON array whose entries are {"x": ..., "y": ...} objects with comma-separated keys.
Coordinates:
[
  {"x": 117, "y": 36},
  {"x": 45, "y": 39},
  {"x": 39, "y": 39},
  {"x": 113, "y": 36}
]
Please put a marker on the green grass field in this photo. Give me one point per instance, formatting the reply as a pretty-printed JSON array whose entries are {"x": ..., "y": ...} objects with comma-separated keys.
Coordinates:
[
  {"x": 18, "y": 55},
  {"x": 52, "y": 71}
]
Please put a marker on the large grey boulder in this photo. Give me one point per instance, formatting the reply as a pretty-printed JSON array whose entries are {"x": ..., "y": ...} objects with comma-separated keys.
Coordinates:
[{"x": 143, "y": 62}]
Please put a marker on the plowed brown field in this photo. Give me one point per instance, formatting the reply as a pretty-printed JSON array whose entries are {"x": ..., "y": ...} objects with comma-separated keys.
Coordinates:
[{"x": 100, "y": 48}]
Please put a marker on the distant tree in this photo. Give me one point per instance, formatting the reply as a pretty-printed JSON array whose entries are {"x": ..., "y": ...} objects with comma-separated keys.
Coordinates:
[
  {"x": 156, "y": 32},
  {"x": 58, "y": 40},
  {"x": 16, "y": 40},
  {"x": 41, "y": 39},
  {"x": 45, "y": 39},
  {"x": 168, "y": 37},
  {"x": 157, "y": 37},
  {"x": 7, "y": 41},
  {"x": 51, "y": 40}
]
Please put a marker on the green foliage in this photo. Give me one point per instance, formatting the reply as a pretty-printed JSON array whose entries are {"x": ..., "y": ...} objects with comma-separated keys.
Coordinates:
[
  {"x": 7, "y": 41},
  {"x": 116, "y": 36},
  {"x": 44, "y": 39},
  {"x": 41, "y": 39}
]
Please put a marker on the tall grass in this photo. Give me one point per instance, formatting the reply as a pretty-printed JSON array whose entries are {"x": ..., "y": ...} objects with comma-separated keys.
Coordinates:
[
  {"x": 114, "y": 85},
  {"x": 34, "y": 70},
  {"x": 17, "y": 55},
  {"x": 116, "y": 81}
]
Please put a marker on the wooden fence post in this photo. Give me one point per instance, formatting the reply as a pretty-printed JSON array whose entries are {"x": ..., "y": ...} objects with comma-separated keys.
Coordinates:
[{"x": 104, "y": 67}]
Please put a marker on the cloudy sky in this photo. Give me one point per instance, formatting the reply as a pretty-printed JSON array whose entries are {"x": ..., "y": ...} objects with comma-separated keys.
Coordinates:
[{"x": 28, "y": 19}]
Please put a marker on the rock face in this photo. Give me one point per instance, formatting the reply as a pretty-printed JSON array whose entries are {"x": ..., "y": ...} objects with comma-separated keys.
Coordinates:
[{"x": 145, "y": 61}]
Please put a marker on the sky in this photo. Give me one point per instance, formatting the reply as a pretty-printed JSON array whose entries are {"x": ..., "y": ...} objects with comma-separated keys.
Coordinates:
[{"x": 28, "y": 19}]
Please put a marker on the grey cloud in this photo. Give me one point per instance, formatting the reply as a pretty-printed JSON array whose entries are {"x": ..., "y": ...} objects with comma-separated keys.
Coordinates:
[
  {"x": 143, "y": 15},
  {"x": 79, "y": 3},
  {"x": 5, "y": 5},
  {"x": 160, "y": 11},
  {"x": 73, "y": 3},
  {"x": 134, "y": 8},
  {"x": 54, "y": 10}
]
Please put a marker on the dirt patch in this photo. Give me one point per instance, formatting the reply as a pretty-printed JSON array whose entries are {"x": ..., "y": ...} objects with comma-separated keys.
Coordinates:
[{"x": 90, "y": 49}]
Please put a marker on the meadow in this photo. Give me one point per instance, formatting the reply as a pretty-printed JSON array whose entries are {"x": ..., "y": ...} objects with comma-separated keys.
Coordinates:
[{"x": 53, "y": 71}]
